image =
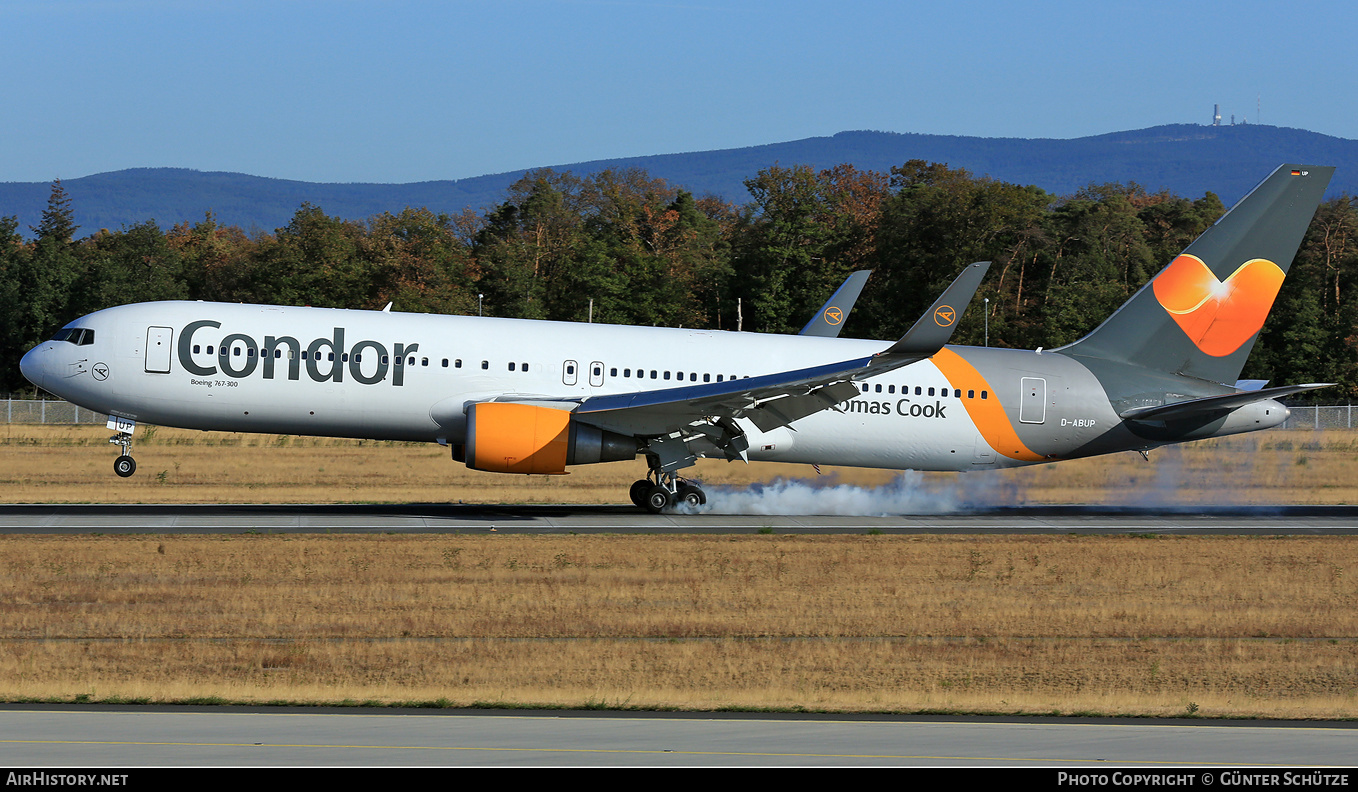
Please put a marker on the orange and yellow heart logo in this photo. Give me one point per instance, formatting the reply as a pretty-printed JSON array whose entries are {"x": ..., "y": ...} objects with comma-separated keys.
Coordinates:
[{"x": 1218, "y": 316}]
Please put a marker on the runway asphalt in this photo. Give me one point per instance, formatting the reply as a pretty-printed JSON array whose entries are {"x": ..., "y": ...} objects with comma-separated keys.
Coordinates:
[
  {"x": 458, "y": 518},
  {"x": 56, "y": 736}
]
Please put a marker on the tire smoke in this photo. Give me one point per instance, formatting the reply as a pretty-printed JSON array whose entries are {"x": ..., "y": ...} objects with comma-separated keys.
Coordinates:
[{"x": 909, "y": 493}]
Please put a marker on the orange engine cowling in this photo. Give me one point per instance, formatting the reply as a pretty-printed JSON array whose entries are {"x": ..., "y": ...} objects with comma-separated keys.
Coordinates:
[{"x": 504, "y": 437}]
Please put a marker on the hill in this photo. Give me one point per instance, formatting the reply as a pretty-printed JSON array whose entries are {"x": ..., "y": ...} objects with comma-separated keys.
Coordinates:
[{"x": 1183, "y": 158}]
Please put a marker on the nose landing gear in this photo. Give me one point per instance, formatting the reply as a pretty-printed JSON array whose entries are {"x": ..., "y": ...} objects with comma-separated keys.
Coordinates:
[{"x": 124, "y": 465}]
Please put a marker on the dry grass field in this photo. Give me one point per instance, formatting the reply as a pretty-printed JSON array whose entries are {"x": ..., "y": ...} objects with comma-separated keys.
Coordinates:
[
  {"x": 73, "y": 464},
  {"x": 1127, "y": 625},
  {"x": 1204, "y": 626}
]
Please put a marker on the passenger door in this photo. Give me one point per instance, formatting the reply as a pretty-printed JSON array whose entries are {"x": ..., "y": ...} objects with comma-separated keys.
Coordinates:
[
  {"x": 158, "y": 342},
  {"x": 1033, "y": 403}
]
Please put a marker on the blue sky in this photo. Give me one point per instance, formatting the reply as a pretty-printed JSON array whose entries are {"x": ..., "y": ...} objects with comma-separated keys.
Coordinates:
[{"x": 401, "y": 91}]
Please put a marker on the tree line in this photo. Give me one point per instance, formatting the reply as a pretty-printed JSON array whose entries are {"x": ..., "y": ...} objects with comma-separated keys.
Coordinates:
[{"x": 627, "y": 248}]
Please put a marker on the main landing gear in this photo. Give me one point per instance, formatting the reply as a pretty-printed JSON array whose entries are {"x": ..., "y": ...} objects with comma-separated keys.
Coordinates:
[
  {"x": 124, "y": 465},
  {"x": 660, "y": 491}
]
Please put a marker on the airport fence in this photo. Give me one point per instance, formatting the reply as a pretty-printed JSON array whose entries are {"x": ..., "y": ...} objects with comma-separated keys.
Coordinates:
[
  {"x": 1313, "y": 417},
  {"x": 46, "y": 411},
  {"x": 43, "y": 411}
]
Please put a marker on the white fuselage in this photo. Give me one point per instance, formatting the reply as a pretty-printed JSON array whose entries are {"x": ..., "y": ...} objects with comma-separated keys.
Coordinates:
[{"x": 334, "y": 373}]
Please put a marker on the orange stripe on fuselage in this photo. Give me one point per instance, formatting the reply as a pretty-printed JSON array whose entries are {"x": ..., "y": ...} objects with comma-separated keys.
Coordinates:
[{"x": 987, "y": 414}]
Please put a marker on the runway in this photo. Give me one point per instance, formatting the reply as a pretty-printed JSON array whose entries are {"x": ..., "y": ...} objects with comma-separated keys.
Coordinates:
[
  {"x": 565, "y": 519},
  {"x": 49, "y": 736}
]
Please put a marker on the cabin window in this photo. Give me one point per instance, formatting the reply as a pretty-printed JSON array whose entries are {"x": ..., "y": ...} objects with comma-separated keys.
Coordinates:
[
  {"x": 985, "y": 395},
  {"x": 511, "y": 366},
  {"x": 971, "y": 394},
  {"x": 523, "y": 366},
  {"x": 485, "y": 364},
  {"x": 707, "y": 378},
  {"x": 667, "y": 375},
  {"x": 627, "y": 372},
  {"x": 457, "y": 363},
  {"x": 424, "y": 361},
  {"x": 445, "y": 362},
  {"x": 612, "y": 372},
  {"x": 931, "y": 391}
]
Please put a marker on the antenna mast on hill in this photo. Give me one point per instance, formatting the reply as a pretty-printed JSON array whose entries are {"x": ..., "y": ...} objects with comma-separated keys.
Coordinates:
[{"x": 1216, "y": 115}]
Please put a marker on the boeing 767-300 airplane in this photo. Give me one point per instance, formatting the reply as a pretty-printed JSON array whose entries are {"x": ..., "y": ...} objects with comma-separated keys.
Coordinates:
[{"x": 520, "y": 396}]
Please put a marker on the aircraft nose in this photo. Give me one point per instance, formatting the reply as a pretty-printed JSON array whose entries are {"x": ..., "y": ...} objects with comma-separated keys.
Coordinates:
[{"x": 31, "y": 366}]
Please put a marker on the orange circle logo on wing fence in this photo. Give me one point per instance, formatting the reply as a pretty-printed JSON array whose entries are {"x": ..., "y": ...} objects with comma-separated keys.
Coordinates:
[{"x": 944, "y": 316}]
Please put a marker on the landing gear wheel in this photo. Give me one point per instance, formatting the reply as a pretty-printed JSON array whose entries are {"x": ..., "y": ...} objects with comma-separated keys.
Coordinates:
[
  {"x": 658, "y": 499},
  {"x": 124, "y": 466},
  {"x": 691, "y": 496},
  {"x": 638, "y": 492}
]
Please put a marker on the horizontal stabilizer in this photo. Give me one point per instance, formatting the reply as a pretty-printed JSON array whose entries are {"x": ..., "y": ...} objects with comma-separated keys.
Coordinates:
[
  {"x": 934, "y": 329},
  {"x": 1211, "y": 404}
]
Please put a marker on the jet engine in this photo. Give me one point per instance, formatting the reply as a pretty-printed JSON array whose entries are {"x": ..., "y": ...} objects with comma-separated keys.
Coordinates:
[{"x": 504, "y": 437}]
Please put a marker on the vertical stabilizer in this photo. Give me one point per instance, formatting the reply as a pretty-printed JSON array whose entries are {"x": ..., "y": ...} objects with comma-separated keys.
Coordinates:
[{"x": 1200, "y": 316}]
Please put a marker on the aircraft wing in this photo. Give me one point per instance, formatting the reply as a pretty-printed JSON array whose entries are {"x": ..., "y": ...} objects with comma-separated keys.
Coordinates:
[{"x": 676, "y": 417}]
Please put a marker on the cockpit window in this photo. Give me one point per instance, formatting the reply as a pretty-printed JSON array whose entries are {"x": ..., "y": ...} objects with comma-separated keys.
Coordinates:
[{"x": 80, "y": 336}]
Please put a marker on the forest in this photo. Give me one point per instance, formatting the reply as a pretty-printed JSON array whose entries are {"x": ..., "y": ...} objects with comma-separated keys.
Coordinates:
[{"x": 634, "y": 249}]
